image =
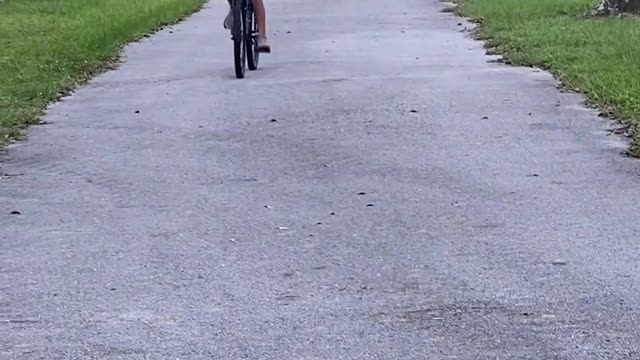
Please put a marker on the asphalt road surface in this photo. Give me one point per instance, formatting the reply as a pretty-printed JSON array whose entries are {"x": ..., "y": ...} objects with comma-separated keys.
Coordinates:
[{"x": 377, "y": 190}]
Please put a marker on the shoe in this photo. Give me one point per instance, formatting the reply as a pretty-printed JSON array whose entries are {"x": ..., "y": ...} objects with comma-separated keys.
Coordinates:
[
  {"x": 228, "y": 21},
  {"x": 263, "y": 46}
]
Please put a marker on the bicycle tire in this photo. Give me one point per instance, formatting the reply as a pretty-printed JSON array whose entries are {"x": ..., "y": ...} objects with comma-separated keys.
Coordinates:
[
  {"x": 253, "y": 55},
  {"x": 239, "y": 42}
]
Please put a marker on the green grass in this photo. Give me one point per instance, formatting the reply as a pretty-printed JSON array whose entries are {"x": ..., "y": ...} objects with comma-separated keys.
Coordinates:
[
  {"x": 48, "y": 46},
  {"x": 599, "y": 57}
]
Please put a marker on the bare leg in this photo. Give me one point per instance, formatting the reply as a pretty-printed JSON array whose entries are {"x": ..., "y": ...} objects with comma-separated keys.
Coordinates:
[{"x": 258, "y": 7}]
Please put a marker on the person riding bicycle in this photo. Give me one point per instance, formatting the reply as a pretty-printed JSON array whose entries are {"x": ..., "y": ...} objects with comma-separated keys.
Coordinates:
[{"x": 258, "y": 7}]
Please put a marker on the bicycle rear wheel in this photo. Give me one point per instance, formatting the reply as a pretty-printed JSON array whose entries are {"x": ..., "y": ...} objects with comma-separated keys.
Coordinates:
[{"x": 239, "y": 41}]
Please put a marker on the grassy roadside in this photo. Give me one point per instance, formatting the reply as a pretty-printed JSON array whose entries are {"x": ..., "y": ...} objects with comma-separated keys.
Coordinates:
[
  {"x": 47, "y": 46},
  {"x": 598, "y": 57}
]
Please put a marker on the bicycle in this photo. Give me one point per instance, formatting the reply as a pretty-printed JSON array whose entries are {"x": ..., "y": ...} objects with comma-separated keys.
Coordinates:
[{"x": 244, "y": 34}]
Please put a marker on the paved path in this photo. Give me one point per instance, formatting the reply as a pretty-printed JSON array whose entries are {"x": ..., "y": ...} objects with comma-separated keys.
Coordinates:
[{"x": 412, "y": 201}]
